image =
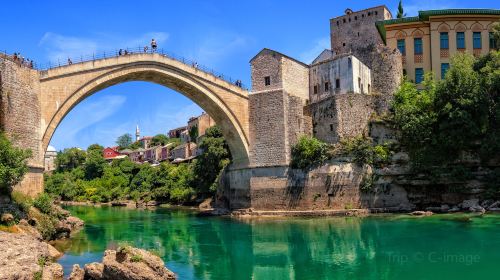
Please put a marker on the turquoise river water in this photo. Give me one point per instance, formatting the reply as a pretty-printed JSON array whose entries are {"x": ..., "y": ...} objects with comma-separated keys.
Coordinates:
[{"x": 456, "y": 246}]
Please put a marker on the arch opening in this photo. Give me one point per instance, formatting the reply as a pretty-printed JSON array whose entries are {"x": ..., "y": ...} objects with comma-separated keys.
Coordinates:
[{"x": 208, "y": 96}]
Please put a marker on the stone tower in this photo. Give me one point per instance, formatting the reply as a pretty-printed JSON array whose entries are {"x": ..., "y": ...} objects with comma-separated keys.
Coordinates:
[{"x": 280, "y": 90}]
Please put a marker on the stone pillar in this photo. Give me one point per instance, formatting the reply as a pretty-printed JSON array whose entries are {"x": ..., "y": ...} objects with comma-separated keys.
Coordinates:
[{"x": 20, "y": 118}]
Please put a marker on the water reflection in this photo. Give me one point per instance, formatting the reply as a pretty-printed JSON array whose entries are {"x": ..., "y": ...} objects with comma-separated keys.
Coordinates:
[{"x": 391, "y": 247}]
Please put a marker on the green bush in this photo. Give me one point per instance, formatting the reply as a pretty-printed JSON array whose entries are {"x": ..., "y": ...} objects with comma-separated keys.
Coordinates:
[
  {"x": 13, "y": 164},
  {"x": 364, "y": 152},
  {"x": 308, "y": 152},
  {"x": 44, "y": 203}
]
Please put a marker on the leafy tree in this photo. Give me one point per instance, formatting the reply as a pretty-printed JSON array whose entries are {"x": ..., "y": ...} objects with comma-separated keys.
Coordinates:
[
  {"x": 69, "y": 159},
  {"x": 95, "y": 147},
  {"x": 445, "y": 118},
  {"x": 124, "y": 140},
  {"x": 496, "y": 33},
  {"x": 213, "y": 159},
  {"x": 94, "y": 165},
  {"x": 13, "y": 163},
  {"x": 134, "y": 146},
  {"x": 159, "y": 140},
  {"x": 193, "y": 133},
  {"x": 308, "y": 151},
  {"x": 401, "y": 13}
]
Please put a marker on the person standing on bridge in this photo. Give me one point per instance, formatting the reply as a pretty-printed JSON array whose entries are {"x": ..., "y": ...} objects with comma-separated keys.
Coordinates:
[
  {"x": 153, "y": 45},
  {"x": 69, "y": 61}
]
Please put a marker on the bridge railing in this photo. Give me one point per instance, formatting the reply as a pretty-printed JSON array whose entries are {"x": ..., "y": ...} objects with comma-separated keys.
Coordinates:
[
  {"x": 18, "y": 59},
  {"x": 139, "y": 50}
]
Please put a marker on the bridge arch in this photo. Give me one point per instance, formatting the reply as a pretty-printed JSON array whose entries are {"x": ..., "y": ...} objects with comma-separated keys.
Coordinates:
[{"x": 65, "y": 87}]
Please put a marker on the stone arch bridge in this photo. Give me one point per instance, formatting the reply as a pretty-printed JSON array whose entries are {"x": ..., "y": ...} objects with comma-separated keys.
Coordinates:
[{"x": 35, "y": 102}]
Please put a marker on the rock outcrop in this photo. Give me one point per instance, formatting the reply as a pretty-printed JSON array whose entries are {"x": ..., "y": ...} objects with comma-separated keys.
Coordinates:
[
  {"x": 20, "y": 256},
  {"x": 126, "y": 263}
]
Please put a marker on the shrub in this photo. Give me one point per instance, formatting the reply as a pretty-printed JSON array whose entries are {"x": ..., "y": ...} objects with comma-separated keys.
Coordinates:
[
  {"x": 24, "y": 202},
  {"x": 44, "y": 203},
  {"x": 308, "y": 152},
  {"x": 13, "y": 164},
  {"x": 364, "y": 152}
]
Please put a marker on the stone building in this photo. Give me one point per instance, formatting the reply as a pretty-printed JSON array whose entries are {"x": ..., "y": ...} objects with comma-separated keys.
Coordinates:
[
  {"x": 280, "y": 90},
  {"x": 176, "y": 132},
  {"x": 200, "y": 123},
  {"x": 337, "y": 74},
  {"x": 429, "y": 40},
  {"x": 357, "y": 29}
]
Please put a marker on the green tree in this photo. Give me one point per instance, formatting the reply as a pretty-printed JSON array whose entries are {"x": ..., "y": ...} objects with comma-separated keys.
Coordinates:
[
  {"x": 124, "y": 140},
  {"x": 95, "y": 147},
  {"x": 94, "y": 165},
  {"x": 496, "y": 34},
  {"x": 134, "y": 146},
  {"x": 400, "y": 10},
  {"x": 214, "y": 158},
  {"x": 193, "y": 133},
  {"x": 69, "y": 159},
  {"x": 13, "y": 164},
  {"x": 159, "y": 140}
]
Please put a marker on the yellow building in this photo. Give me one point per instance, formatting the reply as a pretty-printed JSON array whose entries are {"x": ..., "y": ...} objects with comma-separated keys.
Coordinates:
[{"x": 429, "y": 40}]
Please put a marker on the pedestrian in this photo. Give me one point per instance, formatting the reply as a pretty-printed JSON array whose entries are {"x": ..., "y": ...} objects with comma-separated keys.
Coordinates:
[
  {"x": 31, "y": 64},
  {"x": 195, "y": 65},
  {"x": 69, "y": 61},
  {"x": 153, "y": 45},
  {"x": 145, "y": 49},
  {"x": 120, "y": 52},
  {"x": 126, "y": 52}
]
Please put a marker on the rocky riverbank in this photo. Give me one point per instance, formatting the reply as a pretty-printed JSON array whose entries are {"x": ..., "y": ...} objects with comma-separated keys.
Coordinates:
[{"x": 24, "y": 257}]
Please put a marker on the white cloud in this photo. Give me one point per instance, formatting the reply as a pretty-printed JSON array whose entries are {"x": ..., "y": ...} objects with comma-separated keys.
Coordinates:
[
  {"x": 412, "y": 7},
  {"x": 61, "y": 47},
  {"x": 319, "y": 45},
  {"x": 69, "y": 134}
]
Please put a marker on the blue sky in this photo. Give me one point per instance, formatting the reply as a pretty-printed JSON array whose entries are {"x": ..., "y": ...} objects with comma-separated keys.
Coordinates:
[{"x": 221, "y": 34}]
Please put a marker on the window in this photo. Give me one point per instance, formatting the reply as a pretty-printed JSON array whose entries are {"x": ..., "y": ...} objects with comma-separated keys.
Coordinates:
[
  {"x": 460, "y": 40},
  {"x": 376, "y": 13},
  {"x": 349, "y": 62},
  {"x": 327, "y": 86},
  {"x": 331, "y": 127},
  {"x": 476, "y": 40},
  {"x": 355, "y": 17},
  {"x": 343, "y": 20},
  {"x": 401, "y": 46},
  {"x": 338, "y": 22},
  {"x": 337, "y": 83},
  {"x": 315, "y": 89},
  {"x": 493, "y": 42},
  {"x": 417, "y": 43},
  {"x": 444, "y": 69},
  {"x": 444, "y": 40},
  {"x": 369, "y": 89},
  {"x": 267, "y": 80},
  {"x": 419, "y": 75},
  {"x": 359, "y": 85}
]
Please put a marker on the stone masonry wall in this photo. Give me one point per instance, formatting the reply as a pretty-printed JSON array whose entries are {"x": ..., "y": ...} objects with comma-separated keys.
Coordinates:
[
  {"x": 341, "y": 116},
  {"x": 386, "y": 69},
  {"x": 20, "y": 117},
  {"x": 357, "y": 29},
  {"x": 276, "y": 111},
  {"x": 267, "y": 128}
]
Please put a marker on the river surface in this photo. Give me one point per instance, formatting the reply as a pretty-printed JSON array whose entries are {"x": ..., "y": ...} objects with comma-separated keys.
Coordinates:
[{"x": 455, "y": 246}]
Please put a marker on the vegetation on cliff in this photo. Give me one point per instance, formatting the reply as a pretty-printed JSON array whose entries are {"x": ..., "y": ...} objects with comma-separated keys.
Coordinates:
[
  {"x": 13, "y": 164},
  {"x": 93, "y": 179},
  {"x": 461, "y": 113}
]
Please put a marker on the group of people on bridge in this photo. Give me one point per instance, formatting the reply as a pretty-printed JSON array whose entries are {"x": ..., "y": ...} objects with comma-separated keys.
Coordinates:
[{"x": 19, "y": 60}]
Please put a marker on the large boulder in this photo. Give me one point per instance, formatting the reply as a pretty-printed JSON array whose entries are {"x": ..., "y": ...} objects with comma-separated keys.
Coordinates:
[
  {"x": 68, "y": 226},
  {"x": 94, "y": 271},
  {"x": 134, "y": 264},
  {"x": 7, "y": 218},
  {"x": 77, "y": 273},
  {"x": 19, "y": 255},
  {"x": 52, "y": 271}
]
